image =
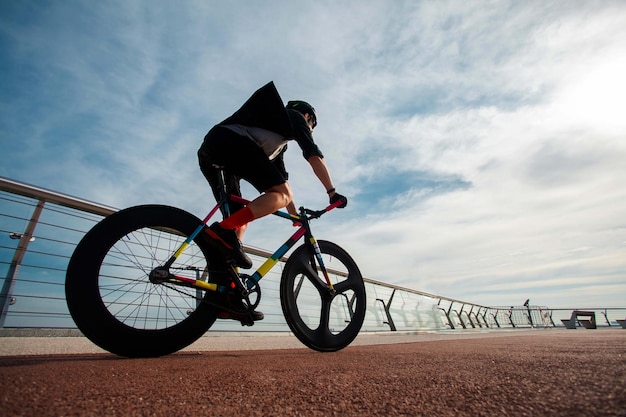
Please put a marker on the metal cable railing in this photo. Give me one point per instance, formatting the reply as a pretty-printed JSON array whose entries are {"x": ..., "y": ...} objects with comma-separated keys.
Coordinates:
[{"x": 39, "y": 230}]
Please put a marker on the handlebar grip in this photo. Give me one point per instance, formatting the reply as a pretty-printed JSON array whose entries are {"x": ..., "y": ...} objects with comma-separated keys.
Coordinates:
[{"x": 316, "y": 214}]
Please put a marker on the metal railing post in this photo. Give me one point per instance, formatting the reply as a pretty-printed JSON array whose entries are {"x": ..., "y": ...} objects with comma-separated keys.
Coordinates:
[
  {"x": 484, "y": 316},
  {"x": 511, "y": 317},
  {"x": 446, "y": 313},
  {"x": 530, "y": 316},
  {"x": 469, "y": 317},
  {"x": 495, "y": 318},
  {"x": 386, "y": 307},
  {"x": 459, "y": 316},
  {"x": 20, "y": 251}
]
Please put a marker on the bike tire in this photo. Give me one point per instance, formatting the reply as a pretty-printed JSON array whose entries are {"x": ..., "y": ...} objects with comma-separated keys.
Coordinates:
[
  {"x": 108, "y": 292},
  {"x": 321, "y": 320}
]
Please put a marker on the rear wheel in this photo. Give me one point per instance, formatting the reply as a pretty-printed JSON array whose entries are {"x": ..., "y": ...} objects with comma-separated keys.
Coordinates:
[
  {"x": 321, "y": 319},
  {"x": 110, "y": 296}
]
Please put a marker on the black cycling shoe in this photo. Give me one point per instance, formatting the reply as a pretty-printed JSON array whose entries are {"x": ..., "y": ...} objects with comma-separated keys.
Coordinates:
[
  {"x": 244, "y": 318},
  {"x": 234, "y": 309},
  {"x": 227, "y": 242}
]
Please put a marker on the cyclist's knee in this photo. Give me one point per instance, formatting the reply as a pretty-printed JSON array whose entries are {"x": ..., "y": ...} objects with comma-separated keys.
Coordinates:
[{"x": 283, "y": 194}]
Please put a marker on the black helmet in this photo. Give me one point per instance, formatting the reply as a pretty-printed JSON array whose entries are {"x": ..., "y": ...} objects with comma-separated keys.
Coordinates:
[{"x": 304, "y": 108}]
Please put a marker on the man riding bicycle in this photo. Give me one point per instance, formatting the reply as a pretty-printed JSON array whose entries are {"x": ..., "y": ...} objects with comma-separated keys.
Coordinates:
[{"x": 250, "y": 145}]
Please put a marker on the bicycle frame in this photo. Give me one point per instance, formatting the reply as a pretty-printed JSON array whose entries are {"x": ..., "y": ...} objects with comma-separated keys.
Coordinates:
[
  {"x": 304, "y": 230},
  {"x": 127, "y": 299}
]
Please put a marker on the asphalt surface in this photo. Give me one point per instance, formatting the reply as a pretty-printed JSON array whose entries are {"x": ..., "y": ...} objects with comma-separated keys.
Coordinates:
[{"x": 499, "y": 373}]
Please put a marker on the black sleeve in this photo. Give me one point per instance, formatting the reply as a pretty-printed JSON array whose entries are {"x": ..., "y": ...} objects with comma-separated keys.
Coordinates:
[{"x": 303, "y": 135}]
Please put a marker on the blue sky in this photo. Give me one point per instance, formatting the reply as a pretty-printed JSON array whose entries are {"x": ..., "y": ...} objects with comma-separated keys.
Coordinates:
[{"x": 482, "y": 144}]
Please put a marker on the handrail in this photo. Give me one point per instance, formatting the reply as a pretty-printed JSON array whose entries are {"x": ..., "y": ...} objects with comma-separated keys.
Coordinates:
[
  {"x": 40, "y": 193},
  {"x": 55, "y": 243}
]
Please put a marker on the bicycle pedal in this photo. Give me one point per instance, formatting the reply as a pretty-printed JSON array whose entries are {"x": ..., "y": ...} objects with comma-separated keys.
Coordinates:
[
  {"x": 249, "y": 322},
  {"x": 245, "y": 319}
]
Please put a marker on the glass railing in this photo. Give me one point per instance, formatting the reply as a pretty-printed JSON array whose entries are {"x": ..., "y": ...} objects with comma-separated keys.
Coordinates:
[{"x": 39, "y": 230}]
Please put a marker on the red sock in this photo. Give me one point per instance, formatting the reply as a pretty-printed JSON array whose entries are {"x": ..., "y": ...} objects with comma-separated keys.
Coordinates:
[{"x": 238, "y": 219}]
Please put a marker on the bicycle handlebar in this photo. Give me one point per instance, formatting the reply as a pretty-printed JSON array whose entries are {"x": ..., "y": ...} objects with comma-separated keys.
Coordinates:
[
  {"x": 316, "y": 214},
  {"x": 312, "y": 214}
]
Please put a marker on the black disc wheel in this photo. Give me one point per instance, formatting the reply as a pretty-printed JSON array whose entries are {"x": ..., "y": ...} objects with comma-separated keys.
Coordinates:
[
  {"x": 322, "y": 319},
  {"x": 109, "y": 293}
]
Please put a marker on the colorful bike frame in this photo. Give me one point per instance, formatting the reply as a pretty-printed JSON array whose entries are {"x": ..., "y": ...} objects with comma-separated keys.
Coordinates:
[{"x": 303, "y": 230}]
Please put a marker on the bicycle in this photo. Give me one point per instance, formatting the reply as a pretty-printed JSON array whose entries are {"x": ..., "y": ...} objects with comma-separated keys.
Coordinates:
[{"x": 139, "y": 282}]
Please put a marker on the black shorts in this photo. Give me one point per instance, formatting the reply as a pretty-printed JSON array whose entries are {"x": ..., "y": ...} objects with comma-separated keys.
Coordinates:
[{"x": 240, "y": 158}]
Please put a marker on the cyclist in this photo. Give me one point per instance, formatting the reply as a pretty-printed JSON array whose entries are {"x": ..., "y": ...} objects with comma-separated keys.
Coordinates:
[{"x": 250, "y": 145}]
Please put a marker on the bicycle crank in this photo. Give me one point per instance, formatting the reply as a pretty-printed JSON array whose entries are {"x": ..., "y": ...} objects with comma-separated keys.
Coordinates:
[{"x": 252, "y": 293}]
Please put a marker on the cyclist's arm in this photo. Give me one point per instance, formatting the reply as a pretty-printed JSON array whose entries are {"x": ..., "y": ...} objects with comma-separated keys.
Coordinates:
[{"x": 321, "y": 172}]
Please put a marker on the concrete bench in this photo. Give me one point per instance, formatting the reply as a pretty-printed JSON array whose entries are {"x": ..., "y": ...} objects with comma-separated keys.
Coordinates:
[
  {"x": 587, "y": 324},
  {"x": 621, "y": 323}
]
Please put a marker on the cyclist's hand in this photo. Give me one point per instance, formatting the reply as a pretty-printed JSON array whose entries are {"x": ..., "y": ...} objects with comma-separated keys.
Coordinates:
[{"x": 338, "y": 197}]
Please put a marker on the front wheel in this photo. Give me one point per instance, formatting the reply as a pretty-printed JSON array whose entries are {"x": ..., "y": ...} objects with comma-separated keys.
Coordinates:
[{"x": 323, "y": 320}]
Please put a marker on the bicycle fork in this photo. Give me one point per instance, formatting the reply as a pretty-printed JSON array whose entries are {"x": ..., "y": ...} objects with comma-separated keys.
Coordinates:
[{"x": 320, "y": 261}]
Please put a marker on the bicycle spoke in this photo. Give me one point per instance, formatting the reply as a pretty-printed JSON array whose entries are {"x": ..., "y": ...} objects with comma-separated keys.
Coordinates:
[
  {"x": 109, "y": 291},
  {"x": 346, "y": 285},
  {"x": 312, "y": 273}
]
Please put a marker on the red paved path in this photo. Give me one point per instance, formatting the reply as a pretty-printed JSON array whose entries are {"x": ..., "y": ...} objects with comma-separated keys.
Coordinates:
[{"x": 551, "y": 373}]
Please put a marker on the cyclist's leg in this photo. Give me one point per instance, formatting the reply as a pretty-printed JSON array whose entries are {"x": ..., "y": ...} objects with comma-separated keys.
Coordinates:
[
  {"x": 215, "y": 151},
  {"x": 231, "y": 182},
  {"x": 274, "y": 198},
  {"x": 244, "y": 159},
  {"x": 212, "y": 173}
]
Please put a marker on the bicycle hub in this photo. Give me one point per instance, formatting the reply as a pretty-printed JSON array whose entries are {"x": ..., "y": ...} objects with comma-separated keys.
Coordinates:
[{"x": 159, "y": 275}]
